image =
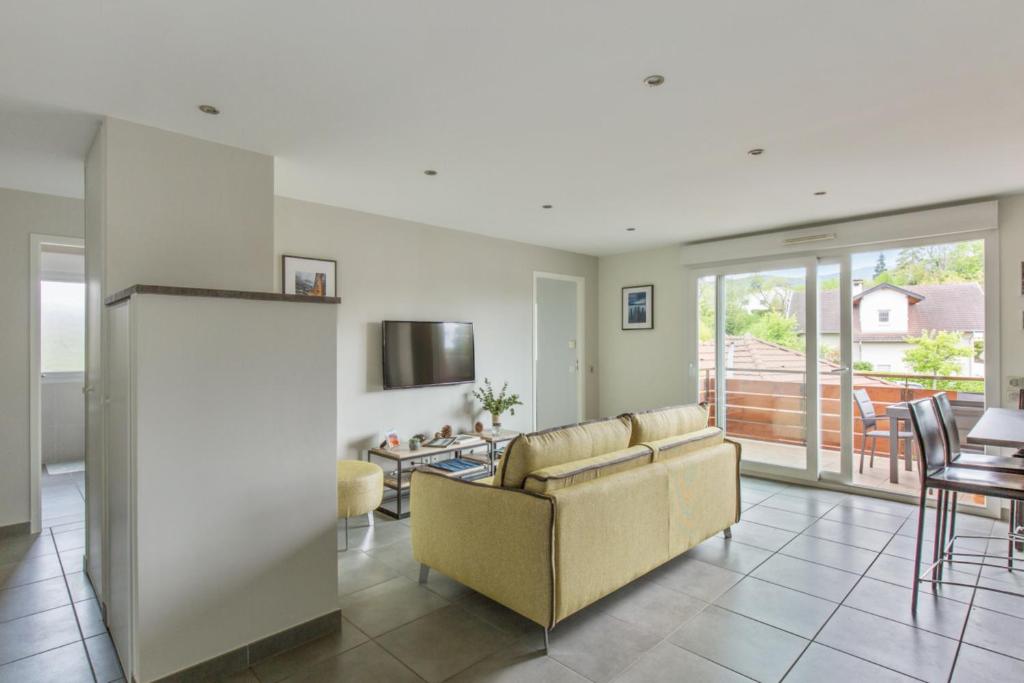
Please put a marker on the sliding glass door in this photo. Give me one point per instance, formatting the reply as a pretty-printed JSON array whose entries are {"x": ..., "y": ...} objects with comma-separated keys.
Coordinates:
[
  {"x": 809, "y": 362},
  {"x": 752, "y": 364}
]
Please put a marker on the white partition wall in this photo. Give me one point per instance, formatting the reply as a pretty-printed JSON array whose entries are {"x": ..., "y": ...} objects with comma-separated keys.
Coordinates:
[{"x": 222, "y": 499}]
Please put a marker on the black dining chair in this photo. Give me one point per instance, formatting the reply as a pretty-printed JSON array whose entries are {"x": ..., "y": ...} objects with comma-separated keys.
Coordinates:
[
  {"x": 935, "y": 474},
  {"x": 869, "y": 422},
  {"x": 979, "y": 461}
]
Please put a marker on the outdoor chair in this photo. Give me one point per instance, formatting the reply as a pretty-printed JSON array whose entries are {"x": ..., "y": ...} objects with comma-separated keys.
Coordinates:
[{"x": 869, "y": 429}]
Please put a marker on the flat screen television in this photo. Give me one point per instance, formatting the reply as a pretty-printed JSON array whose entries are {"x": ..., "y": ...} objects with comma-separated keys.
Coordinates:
[{"x": 420, "y": 354}]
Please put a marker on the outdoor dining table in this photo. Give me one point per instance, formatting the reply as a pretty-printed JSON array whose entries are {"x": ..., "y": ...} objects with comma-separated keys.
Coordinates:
[{"x": 897, "y": 413}]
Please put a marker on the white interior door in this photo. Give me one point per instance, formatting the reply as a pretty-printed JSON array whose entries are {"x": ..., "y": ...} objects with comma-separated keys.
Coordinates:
[{"x": 557, "y": 359}]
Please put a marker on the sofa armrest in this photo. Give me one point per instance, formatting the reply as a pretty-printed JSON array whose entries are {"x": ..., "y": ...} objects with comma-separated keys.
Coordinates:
[{"x": 497, "y": 541}]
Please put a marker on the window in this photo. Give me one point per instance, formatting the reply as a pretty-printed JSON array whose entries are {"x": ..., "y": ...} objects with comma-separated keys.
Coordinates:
[
  {"x": 62, "y": 326},
  {"x": 883, "y": 315}
]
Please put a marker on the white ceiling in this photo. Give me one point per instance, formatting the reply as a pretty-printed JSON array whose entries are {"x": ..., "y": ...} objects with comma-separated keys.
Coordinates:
[{"x": 883, "y": 104}]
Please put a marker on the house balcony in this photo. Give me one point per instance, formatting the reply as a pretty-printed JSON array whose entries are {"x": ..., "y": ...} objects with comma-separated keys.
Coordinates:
[{"x": 766, "y": 413}]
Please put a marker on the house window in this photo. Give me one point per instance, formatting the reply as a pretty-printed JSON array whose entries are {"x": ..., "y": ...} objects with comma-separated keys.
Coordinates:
[
  {"x": 883, "y": 315},
  {"x": 62, "y": 326}
]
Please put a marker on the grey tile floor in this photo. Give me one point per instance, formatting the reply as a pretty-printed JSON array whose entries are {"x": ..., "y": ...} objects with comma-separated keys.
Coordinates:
[
  {"x": 813, "y": 586},
  {"x": 50, "y": 624}
]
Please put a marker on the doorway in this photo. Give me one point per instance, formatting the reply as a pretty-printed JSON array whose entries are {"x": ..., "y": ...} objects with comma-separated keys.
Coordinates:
[
  {"x": 557, "y": 350},
  {"x": 57, "y": 402}
]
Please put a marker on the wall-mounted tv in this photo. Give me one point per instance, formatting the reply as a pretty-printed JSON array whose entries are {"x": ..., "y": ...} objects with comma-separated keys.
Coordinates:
[{"x": 420, "y": 354}]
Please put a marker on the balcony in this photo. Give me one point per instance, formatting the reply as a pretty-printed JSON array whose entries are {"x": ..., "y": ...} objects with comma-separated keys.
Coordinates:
[{"x": 766, "y": 412}]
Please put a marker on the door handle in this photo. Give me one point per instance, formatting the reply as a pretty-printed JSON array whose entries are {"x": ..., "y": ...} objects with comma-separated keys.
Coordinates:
[{"x": 838, "y": 371}]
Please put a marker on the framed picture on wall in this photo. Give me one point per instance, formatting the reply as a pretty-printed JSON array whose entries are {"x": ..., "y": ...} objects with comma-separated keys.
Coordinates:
[
  {"x": 638, "y": 307},
  {"x": 308, "y": 276}
]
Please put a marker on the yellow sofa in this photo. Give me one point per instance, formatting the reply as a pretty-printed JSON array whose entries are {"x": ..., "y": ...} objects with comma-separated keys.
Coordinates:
[{"x": 575, "y": 513}]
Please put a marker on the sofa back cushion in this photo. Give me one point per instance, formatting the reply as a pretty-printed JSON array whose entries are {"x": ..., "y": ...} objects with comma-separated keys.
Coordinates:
[
  {"x": 548, "y": 479},
  {"x": 663, "y": 423},
  {"x": 558, "y": 446}
]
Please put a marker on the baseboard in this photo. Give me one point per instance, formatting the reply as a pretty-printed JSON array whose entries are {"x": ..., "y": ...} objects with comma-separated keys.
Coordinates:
[
  {"x": 256, "y": 651},
  {"x": 19, "y": 529}
]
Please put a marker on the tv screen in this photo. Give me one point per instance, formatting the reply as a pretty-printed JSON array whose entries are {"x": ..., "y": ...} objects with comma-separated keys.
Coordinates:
[{"x": 419, "y": 354}]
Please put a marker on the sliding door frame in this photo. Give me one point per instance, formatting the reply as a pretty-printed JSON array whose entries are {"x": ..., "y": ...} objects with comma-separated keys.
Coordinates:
[
  {"x": 810, "y": 259},
  {"x": 811, "y": 418}
]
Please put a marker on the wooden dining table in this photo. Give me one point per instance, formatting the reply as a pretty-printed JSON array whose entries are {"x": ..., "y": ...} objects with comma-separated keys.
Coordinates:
[{"x": 898, "y": 413}]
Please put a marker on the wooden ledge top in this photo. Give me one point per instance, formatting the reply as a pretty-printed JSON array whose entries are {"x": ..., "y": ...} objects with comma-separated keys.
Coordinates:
[{"x": 217, "y": 294}]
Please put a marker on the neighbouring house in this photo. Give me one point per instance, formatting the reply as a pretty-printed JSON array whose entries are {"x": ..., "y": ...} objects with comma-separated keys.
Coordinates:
[{"x": 885, "y": 315}]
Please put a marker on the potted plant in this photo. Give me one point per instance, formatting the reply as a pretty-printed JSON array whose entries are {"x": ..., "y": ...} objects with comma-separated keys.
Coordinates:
[{"x": 497, "y": 405}]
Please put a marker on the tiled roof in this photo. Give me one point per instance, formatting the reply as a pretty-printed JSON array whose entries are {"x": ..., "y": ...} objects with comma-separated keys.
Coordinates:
[
  {"x": 956, "y": 307},
  {"x": 757, "y": 359}
]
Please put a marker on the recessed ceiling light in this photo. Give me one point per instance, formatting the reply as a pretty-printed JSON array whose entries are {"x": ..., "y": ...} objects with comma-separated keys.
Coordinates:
[
  {"x": 209, "y": 109},
  {"x": 630, "y": 229},
  {"x": 430, "y": 171},
  {"x": 654, "y": 80},
  {"x": 547, "y": 206},
  {"x": 820, "y": 193},
  {"x": 756, "y": 152}
]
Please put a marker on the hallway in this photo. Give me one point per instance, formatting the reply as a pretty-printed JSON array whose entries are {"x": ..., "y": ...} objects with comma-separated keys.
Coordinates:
[{"x": 50, "y": 623}]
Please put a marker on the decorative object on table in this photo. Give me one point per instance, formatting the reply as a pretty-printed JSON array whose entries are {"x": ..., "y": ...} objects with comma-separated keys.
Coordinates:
[
  {"x": 391, "y": 436},
  {"x": 497, "y": 405},
  {"x": 308, "y": 276},
  {"x": 456, "y": 464},
  {"x": 638, "y": 307},
  {"x": 478, "y": 427},
  {"x": 414, "y": 443},
  {"x": 446, "y": 431}
]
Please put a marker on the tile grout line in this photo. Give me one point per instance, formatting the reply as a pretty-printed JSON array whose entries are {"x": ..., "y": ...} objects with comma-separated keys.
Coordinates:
[
  {"x": 878, "y": 554},
  {"x": 74, "y": 612}
]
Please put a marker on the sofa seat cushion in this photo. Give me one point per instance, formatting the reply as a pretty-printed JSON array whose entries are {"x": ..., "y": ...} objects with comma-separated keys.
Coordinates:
[
  {"x": 571, "y": 473},
  {"x": 531, "y": 452},
  {"x": 678, "y": 446},
  {"x": 655, "y": 425}
]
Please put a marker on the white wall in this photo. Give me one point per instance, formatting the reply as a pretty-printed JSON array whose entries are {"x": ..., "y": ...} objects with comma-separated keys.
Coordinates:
[
  {"x": 21, "y": 213},
  {"x": 1011, "y": 303},
  {"x": 643, "y": 369},
  {"x": 884, "y": 299},
  {"x": 395, "y": 269},
  {"x": 234, "y": 431},
  {"x": 186, "y": 212},
  {"x": 63, "y": 419}
]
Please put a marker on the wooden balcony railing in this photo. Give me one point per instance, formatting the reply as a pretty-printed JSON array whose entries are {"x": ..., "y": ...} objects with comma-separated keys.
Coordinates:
[{"x": 775, "y": 408}]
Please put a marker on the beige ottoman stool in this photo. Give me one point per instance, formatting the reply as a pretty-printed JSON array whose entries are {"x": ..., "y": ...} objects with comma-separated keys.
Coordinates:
[{"x": 360, "y": 490}]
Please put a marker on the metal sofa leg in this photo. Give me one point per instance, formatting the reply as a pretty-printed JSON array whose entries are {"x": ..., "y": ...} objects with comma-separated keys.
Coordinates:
[
  {"x": 547, "y": 641},
  {"x": 727, "y": 532},
  {"x": 346, "y": 534},
  {"x": 369, "y": 518},
  {"x": 424, "y": 573}
]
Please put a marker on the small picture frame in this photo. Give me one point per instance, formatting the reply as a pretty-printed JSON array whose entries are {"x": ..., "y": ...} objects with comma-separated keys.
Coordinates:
[
  {"x": 391, "y": 438},
  {"x": 638, "y": 307},
  {"x": 305, "y": 276}
]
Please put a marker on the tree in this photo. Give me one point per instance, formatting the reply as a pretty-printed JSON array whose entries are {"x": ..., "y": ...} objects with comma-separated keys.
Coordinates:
[
  {"x": 880, "y": 265},
  {"x": 936, "y": 264},
  {"x": 936, "y": 353},
  {"x": 778, "y": 329}
]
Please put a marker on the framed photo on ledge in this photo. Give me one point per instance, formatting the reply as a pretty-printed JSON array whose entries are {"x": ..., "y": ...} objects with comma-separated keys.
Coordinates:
[
  {"x": 638, "y": 307},
  {"x": 308, "y": 276}
]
